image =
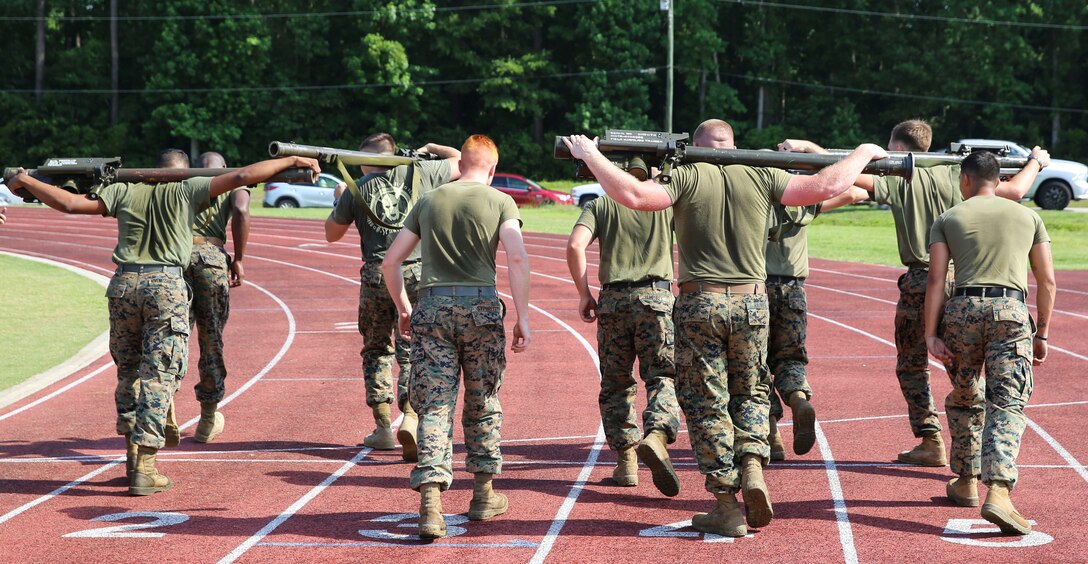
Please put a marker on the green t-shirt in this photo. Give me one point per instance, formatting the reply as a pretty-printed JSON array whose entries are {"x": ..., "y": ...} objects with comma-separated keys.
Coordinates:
[
  {"x": 373, "y": 238},
  {"x": 788, "y": 256},
  {"x": 720, "y": 215},
  {"x": 635, "y": 245},
  {"x": 155, "y": 222},
  {"x": 915, "y": 206},
  {"x": 212, "y": 222},
  {"x": 458, "y": 226},
  {"x": 989, "y": 239}
]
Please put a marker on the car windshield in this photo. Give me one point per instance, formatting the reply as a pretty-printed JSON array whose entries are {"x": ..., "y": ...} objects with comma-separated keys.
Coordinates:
[{"x": 1018, "y": 150}]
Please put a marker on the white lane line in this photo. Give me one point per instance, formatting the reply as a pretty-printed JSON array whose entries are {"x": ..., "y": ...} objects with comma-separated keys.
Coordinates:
[
  {"x": 842, "y": 515},
  {"x": 1034, "y": 426},
  {"x": 294, "y": 508},
  {"x": 567, "y": 506},
  {"x": 311, "y": 379},
  {"x": 121, "y": 459},
  {"x": 58, "y": 392}
]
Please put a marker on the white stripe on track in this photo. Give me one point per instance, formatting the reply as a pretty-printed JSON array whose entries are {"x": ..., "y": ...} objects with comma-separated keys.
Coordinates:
[
  {"x": 56, "y": 393},
  {"x": 842, "y": 515},
  {"x": 294, "y": 508}
]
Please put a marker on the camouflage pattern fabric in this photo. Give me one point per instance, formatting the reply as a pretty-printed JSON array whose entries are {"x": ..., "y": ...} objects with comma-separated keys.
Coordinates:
[
  {"x": 207, "y": 276},
  {"x": 381, "y": 345},
  {"x": 786, "y": 355},
  {"x": 636, "y": 323},
  {"x": 988, "y": 423},
  {"x": 149, "y": 341},
  {"x": 912, "y": 363},
  {"x": 722, "y": 381},
  {"x": 451, "y": 335}
]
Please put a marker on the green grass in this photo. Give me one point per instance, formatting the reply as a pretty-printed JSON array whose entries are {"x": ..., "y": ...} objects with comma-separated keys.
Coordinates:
[{"x": 48, "y": 315}]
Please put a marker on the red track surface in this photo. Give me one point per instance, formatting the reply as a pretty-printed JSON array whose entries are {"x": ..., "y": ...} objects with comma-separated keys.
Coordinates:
[{"x": 285, "y": 483}]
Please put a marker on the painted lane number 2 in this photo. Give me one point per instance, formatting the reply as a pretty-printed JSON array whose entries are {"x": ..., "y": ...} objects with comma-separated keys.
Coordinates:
[
  {"x": 673, "y": 530},
  {"x": 132, "y": 530}
]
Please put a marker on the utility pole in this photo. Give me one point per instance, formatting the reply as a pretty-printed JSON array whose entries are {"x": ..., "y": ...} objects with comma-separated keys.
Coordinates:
[{"x": 667, "y": 5}]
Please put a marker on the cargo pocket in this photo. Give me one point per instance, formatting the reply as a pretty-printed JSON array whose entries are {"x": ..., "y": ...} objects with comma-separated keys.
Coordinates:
[
  {"x": 797, "y": 299},
  {"x": 693, "y": 312},
  {"x": 174, "y": 348},
  {"x": 117, "y": 287},
  {"x": 425, "y": 315},
  {"x": 213, "y": 256},
  {"x": 757, "y": 313},
  {"x": 484, "y": 315},
  {"x": 661, "y": 303}
]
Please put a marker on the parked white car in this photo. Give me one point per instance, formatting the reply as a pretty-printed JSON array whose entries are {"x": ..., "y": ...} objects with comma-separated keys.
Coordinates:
[
  {"x": 7, "y": 198},
  {"x": 586, "y": 193},
  {"x": 320, "y": 195},
  {"x": 1056, "y": 185}
]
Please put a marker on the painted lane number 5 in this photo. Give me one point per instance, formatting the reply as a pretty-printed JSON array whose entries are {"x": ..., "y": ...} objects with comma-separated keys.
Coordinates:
[{"x": 132, "y": 530}]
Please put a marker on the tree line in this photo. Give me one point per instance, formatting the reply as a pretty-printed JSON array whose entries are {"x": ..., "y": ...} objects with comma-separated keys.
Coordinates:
[{"x": 130, "y": 77}]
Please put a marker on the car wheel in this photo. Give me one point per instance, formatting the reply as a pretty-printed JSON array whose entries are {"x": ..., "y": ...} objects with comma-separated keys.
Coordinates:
[
  {"x": 586, "y": 199},
  {"x": 286, "y": 203},
  {"x": 1053, "y": 195}
]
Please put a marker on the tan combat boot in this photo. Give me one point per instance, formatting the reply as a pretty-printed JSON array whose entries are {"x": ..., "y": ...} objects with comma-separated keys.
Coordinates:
[
  {"x": 171, "y": 430},
  {"x": 929, "y": 453},
  {"x": 431, "y": 524},
  {"x": 131, "y": 453},
  {"x": 211, "y": 423},
  {"x": 963, "y": 491},
  {"x": 486, "y": 502},
  {"x": 382, "y": 437},
  {"x": 757, "y": 501},
  {"x": 726, "y": 519},
  {"x": 626, "y": 471},
  {"x": 146, "y": 480},
  {"x": 406, "y": 434},
  {"x": 778, "y": 448},
  {"x": 652, "y": 452},
  {"x": 999, "y": 510},
  {"x": 804, "y": 423}
]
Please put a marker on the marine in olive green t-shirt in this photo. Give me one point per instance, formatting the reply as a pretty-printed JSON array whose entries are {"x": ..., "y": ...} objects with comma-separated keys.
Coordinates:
[
  {"x": 787, "y": 250},
  {"x": 155, "y": 223},
  {"x": 916, "y": 205},
  {"x": 375, "y": 239},
  {"x": 212, "y": 222},
  {"x": 721, "y": 220},
  {"x": 458, "y": 226},
  {"x": 989, "y": 239},
  {"x": 635, "y": 245}
]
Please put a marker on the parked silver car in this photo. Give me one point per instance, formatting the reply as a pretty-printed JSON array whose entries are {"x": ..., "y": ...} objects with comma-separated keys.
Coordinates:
[
  {"x": 1056, "y": 185},
  {"x": 586, "y": 193},
  {"x": 320, "y": 195}
]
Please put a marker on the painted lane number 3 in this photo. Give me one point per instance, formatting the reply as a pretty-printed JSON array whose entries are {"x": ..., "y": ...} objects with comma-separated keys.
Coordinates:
[
  {"x": 132, "y": 530},
  {"x": 960, "y": 531}
]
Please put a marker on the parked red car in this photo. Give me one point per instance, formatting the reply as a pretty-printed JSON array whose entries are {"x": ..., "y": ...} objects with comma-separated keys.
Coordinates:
[{"x": 525, "y": 192}]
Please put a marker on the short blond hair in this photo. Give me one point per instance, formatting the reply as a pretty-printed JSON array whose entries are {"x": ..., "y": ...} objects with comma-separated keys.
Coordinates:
[
  {"x": 713, "y": 133},
  {"x": 914, "y": 134},
  {"x": 479, "y": 151}
]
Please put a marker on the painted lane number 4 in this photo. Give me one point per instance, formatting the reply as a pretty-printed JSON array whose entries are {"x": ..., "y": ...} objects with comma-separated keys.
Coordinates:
[
  {"x": 959, "y": 531},
  {"x": 132, "y": 530},
  {"x": 409, "y": 521}
]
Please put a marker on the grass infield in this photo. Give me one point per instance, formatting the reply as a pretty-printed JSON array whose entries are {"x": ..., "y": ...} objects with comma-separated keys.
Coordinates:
[{"x": 48, "y": 315}]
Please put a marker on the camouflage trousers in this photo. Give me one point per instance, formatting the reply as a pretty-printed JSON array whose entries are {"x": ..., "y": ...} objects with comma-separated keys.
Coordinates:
[
  {"x": 381, "y": 344},
  {"x": 786, "y": 354},
  {"x": 636, "y": 323},
  {"x": 912, "y": 362},
  {"x": 149, "y": 341},
  {"x": 987, "y": 423},
  {"x": 451, "y": 336},
  {"x": 207, "y": 275},
  {"x": 722, "y": 381}
]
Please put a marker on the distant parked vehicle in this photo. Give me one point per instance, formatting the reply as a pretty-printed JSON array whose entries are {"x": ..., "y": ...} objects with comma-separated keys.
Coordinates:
[
  {"x": 1056, "y": 185},
  {"x": 319, "y": 195},
  {"x": 586, "y": 193},
  {"x": 6, "y": 197},
  {"x": 525, "y": 192}
]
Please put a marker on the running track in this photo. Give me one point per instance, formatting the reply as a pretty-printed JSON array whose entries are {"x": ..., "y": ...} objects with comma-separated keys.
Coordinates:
[{"x": 286, "y": 484}]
